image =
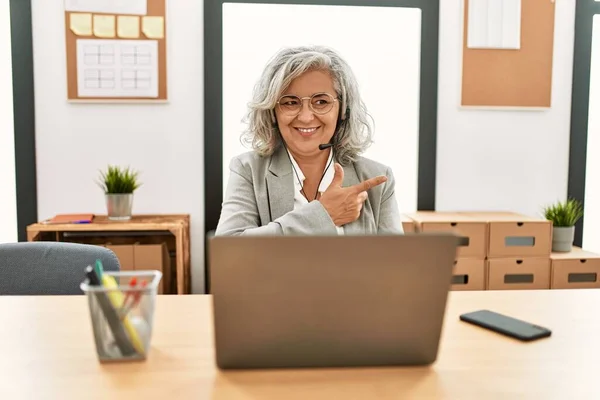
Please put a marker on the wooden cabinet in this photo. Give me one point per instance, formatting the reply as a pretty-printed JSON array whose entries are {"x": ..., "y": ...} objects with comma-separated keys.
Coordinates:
[{"x": 173, "y": 230}]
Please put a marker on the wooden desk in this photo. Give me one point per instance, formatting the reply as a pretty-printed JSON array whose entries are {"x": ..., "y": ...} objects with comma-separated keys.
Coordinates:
[
  {"x": 47, "y": 351},
  {"x": 177, "y": 225}
]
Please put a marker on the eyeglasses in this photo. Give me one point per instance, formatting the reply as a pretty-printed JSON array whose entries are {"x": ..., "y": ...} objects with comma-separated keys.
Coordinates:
[{"x": 320, "y": 103}]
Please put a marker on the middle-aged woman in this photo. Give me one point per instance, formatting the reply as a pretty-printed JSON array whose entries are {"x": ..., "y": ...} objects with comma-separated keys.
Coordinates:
[{"x": 307, "y": 126}]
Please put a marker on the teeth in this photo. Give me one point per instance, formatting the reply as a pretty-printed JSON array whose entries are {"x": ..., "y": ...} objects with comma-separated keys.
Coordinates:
[{"x": 309, "y": 130}]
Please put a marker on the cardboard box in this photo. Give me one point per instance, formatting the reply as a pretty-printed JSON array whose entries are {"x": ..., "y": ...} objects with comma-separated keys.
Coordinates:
[
  {"x": 124, "y": 253},
  {"x": 516, "y": 235},
  {"x": 473, "y": 233},
  {"x": 145, "y": 257},
  {"x": 576, "y": 269},
  {"x": 469, "y": 274},
  {"x": 408, "y": 225},
  {"x": 518, "y": 273}
]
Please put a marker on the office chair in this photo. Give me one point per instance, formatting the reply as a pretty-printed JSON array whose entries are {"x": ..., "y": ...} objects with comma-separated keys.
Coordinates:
[{"x": 49, "y": 268}]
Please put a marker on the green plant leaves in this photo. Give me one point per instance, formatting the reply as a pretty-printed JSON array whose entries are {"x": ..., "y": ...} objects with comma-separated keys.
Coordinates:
[
  {"x": 564, "y": 214},
  {"x": 118, "y": 180}
]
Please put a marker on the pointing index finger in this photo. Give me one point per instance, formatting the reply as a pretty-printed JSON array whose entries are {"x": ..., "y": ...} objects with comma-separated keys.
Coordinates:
[{"x": 369, "y": 183}]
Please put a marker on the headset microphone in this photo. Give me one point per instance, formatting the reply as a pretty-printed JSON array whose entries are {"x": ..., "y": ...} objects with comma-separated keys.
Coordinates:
[{"x": 321, "y": 147}]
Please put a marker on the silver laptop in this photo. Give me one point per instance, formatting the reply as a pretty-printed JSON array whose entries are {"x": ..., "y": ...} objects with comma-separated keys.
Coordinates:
[{"x": 335, "y": 301}]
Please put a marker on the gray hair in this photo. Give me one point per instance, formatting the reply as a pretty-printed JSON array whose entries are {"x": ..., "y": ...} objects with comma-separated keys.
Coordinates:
[{"x": 353, "y": 134}]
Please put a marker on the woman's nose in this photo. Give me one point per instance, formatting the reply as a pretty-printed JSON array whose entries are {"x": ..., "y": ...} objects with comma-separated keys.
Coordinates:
[{"x": 306, "y": 114}]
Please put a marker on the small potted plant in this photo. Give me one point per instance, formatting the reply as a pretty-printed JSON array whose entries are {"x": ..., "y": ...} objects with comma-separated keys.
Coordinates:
[
  {"x": 564, "y": 216},
  {"x": 118, "y": 185}
]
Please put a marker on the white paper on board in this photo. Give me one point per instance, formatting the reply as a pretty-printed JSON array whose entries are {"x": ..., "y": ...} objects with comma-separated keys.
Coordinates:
[
  {"x": 137, "y": 7},
  {"x": 494, "y": 24},
  {"x": 117, "y": 68}
]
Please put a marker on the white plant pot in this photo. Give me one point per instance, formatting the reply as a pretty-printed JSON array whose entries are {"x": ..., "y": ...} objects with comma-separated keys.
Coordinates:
[
  {"x": 562, "y": 238},
  {"x": 118, "y": 206}
]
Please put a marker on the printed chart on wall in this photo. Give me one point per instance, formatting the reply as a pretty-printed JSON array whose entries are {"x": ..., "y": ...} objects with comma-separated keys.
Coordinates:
[{"x": 116, "y": 50}]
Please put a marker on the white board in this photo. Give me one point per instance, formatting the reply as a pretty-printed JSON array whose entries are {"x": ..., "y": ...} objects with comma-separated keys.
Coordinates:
[
  {"x": 8, "y": 196},
  {"x": 383, "y": 51},
  {"x": 591, "y": 226}
]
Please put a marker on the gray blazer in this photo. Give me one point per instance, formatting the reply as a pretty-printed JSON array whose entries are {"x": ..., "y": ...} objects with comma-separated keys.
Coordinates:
[{"x": 259, "y": 200}]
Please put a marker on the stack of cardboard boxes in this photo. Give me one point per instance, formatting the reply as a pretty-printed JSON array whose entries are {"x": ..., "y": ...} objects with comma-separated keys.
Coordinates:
[
  {"x": 469, "y": 266},
  {"x": 518, "y": 251},
  {"x": 505, "y": 250}
]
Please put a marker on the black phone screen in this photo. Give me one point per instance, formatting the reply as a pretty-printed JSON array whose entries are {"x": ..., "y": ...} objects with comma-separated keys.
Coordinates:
[{"x": 503, "y": 324}]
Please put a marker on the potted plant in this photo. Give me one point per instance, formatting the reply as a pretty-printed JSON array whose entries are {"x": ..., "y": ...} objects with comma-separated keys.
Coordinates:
[
  {"x": 118, "y": 185},
  {"x": 564, "y": 216}
]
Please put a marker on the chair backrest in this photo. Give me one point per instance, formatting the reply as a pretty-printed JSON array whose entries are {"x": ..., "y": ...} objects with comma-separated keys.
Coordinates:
[{"x": 49, "y": 268}]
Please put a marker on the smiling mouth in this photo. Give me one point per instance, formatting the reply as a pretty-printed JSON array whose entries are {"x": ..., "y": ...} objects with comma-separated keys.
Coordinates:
[{"x": 307, "y": 131}]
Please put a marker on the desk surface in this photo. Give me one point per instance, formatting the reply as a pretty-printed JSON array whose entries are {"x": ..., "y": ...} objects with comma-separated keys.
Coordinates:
[{"x": 46, "y": 351}]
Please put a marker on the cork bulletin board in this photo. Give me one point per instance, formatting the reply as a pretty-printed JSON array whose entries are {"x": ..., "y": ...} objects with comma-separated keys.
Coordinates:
[
  {"x": 116, "y": 50},
  {"x": 514, "y": 78}
]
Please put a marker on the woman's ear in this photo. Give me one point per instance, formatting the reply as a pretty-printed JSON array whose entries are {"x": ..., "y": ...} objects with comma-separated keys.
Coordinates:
[
  {"x": 345, "y": 113},
  {"x": 345, "y": 110}
]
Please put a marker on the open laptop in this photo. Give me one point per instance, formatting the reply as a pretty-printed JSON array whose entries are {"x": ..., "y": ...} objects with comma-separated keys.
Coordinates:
[{"x": 329, "y": 301}]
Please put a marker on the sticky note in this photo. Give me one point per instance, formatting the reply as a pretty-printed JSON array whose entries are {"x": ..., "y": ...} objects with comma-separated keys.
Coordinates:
[
  {"x": 81, "y": 24},
  {"x": 153, "y": 27},
  {"x": 128, "y": 26},
  {"x": 104, "y": 26}
]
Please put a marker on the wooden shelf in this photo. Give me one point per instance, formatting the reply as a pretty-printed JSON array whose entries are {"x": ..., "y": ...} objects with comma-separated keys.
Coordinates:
[{"x": 125, "y": 231}]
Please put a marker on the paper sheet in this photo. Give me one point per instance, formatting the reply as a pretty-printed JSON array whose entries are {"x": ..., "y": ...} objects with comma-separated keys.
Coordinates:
[
  {"x": 128, "y": 27},
  {"x": 104, "y": 26},
  {"x": 136, "y": 7},
  {"x": 153, "y": 27},
  {"x": 117, "y": 68},
  {"x": 81, "y": 24},
  {"x": 494, "y": 24}
]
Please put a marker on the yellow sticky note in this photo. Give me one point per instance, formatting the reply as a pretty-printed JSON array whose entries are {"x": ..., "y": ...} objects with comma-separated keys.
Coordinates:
[
  {"x": 81, "y": 24},
  {"x": 128, "y": 26},
  {"x": 104, "y": 26},
  {"x": 153, "y": 27}
]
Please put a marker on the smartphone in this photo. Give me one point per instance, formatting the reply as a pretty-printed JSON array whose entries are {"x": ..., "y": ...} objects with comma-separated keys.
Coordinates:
[{"x": 505, "y": 325}]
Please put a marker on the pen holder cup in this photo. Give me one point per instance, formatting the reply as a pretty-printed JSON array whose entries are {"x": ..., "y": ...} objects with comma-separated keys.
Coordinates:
[{"x": 122, "y": 314}]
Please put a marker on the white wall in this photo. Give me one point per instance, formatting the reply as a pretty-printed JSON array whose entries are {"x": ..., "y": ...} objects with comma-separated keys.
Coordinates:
[
  {"x": 388, "y": 76},
  {"x": 8, "y": 194},
  {"x": 591, "y": 225},
  {"x": 502, "y": 160},
  {"x": 164, "y": 141}
]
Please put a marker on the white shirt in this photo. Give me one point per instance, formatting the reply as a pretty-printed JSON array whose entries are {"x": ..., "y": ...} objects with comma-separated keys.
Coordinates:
[{"x": 299, "y": 199}]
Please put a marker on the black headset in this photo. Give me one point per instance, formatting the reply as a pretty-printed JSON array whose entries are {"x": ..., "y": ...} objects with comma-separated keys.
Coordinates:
[{"x": 321, "y": 147}]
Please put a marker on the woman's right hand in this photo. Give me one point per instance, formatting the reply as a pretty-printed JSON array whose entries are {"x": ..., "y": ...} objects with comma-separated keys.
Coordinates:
[{"x": 344, "y": 204}]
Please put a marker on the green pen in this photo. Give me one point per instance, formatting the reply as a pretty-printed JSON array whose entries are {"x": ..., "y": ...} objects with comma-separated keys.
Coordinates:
[{"x": 99, "y": 269}]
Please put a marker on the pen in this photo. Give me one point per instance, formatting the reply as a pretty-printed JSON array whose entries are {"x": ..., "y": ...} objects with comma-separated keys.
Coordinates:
[
  {"x": 91, "y": 275},
  {"x": 128, "y": 293},
  {"x": 112, "y": 318},
  {"x": 136, "y": 299},
  {"x": 99, "y": 270}
]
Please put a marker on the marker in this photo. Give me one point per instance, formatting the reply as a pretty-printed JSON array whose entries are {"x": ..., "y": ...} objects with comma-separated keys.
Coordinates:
[
  {"x": 91, "y": 275},
  {"x": 99, "y": 269},
  {"x": 112, "y": 318}
]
